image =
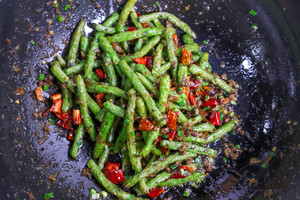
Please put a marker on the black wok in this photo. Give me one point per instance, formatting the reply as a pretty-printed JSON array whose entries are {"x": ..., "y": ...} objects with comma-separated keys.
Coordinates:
[{"x": 265, "y": 64}]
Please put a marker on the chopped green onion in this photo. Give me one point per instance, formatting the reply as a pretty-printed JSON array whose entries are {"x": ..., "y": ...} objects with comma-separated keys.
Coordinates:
[
  {"x": 41, "y": 77},
  {"x": 127, "y": 121},
  {"x": 179, "y": 89},
  {"x": 163, "y": 156},
  {"x": 252, "y": 12},
  {"x": 205, "y": 42},
  {"x": 206, "y": 96},
  {"x": 172, "y": 167},
  {"x": 221, "y": 116},
  {"x": 232, "y": 132},
  {"x": 272, "y": 154},
  {"x": 207, "y": 108},
  {"x": 224, "y": 159},
  {"x": 46, "y": 87},
  {"x": 131, "y": 197},
  {"x": 55, "y": 5},
  {"x": 66, "y": 7},
  {"x": 231, "y": 114},
  {"x": 205, "y": 84},
  {"x": 79, "y": 143},
  {"x": 254, "y": 27},
  {"x": 59, "y": 18},
  {"x": 264, "y": 166},
  {"x": 103, "y": 194},
  {"x": 187, "y": 192},
  {"x": 197, "y": 160},
  {"x": 233, "y": 102},
  {"x": 179, "y": 133},
  {"x": 155, "y": 4},
  {"x": 48, "y": 196},
  {"x": 182, "y": 172},
  {"x": 52, "y": 121},
  {"x": 238, "y": 146},
  {"x": 32, "y": 42}
]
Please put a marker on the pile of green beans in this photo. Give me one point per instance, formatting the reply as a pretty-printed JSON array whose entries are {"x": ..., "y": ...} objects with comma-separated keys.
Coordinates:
[{"x": 137, "y": 91}]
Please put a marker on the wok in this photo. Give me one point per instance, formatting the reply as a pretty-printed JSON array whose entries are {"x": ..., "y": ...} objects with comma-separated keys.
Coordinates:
[{"x": 265, "y": 64}]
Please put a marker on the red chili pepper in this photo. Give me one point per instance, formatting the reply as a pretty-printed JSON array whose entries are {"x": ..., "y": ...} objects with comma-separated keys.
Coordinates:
[
  {"x": 112, "y": 166},
  {"x": 212, "y": 103},
  {"x": 56, "y": 96},
  {"x": 64, "y": 116},
  {"x": 215, "y": 119},
  {"x": 145, "y": 25},
  {"x": 192, "y": 98},
  {"x": 39, "y": 94},
  {"x": 140, "y": 60},
  {"x": 172, "y": 119},
  {"x": 100, "y": 73},
  {"x": 71, "y": 134},
  {"x": 76, "y": 117},
  {"x": 178, "y": 174},
  {"x": 155, "y": 192},
  {"x": 175, "y": 38},
  {"x": 186, "y": 57},
  {"x": 100, "y": 99},
  {"x": 149, "y": 63},
  {"x": 115, "y": 176},
  {"x": 56, "y": 107},
  {"x": 145, "y": 125},
  {"x": 196, "y": 85},
  {"x": 138, "y": 14},
  {"x": 171, "y": 135},
  {"x": 64, "y": 124},
  {"x": 163, "y": 149},
  {"x": 196, "y": 63},
  {"x": 131, "y": 29},
  {"x": 186, "y": 91}
]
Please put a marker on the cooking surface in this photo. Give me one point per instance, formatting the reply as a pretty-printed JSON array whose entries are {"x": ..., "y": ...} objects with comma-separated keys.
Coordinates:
[{"x": 262, "y": 63}]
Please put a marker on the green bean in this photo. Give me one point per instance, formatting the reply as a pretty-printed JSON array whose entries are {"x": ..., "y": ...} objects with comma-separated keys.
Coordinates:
[
  {"x": 194, "y": 69},
  {"x": 195, "y": 58},
  {"x": 83, "y": 99},
  {"x": 187, "y": 39},
  {"x": 124, "y": 14},
  {"x": 155, "y": 151},
  {"x": 158, "y": 179},
  {"x": 74, "y": 45},
  {"x": 148, "y": 85},
  {"x": 104, "y": 29},
  {"x": 140, "y": 107},
  {"x": 144, "y": 50},
  {"x": 113, "y": 129},
  {"x": 97, "y": 88},
  {"x": 67, "y": 99},
  {"x": 164, "y": 90},
  {"x": 79, "y": 67},
  {"x": 77, "y": 141},
  {"x": 130, "y": 128},
  {"x": 221, "y": 131},
  {"x": 121, "y": 139},
  {"x": 182, "y": 74},
  {"x": 125, "y": 159},
  {"x": 135, "y": 20},
  {"x": 190, "y": 148},
  {"x": 150, "y": 103},
  {"x": 110, "y": 71},
  {"x": 173, "y": 19},
  {"x": 106, "y": 46},
  {"x": 157, "y": 23},
  {"x": 145, "y": 72},
  {"x": 132, "y": 35},
  {"x": 61, "y": 61},
  {"x": 195, "y": 120},
  {"x": 111, "y": 20},
  {"x": 101, "y": 114},
  {"x": 157, "y": 60},
  {"x": 156, "y": 167},
  {"x": 164, "y": 68},
  {"x": 153, "y": 135},
  {"x": 188, "y": 108},
  {"x": 204, "y": 61},
  {"x": 84, "y": 45},
  {"x": 91, "y": 56},
  {"x": 109, "y": 186},
  {"x": 118, "y": 111},
  {"x": 128, "y": 85},
  {"x": 103, "y": 157},
  {"x": 196, "y": 176},
  {"x": 181, "y": 117},
  {"x": 104, "y": 129},
  {"x": 139, "y": 44},
  {"x": 171, "y": 50},
  {"x": 204, "y": 127}
]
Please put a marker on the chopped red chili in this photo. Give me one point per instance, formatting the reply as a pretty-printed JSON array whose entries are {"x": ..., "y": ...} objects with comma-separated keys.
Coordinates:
[
  {"x": 212, "y": 103},
  {"x": 163, "y": 149},
  {"x": 182, "y": 172},
  {"x": 192, "y": 98},
  {"x": 115, "y": 176},
  {"x": 186, "y": 57},
  {"x": 100, "y": 73},
  {"x": 56, "y": 96},
  {"x": 39, "y": 94},
  {"x": 196, "y": 85},
  {"x": 111, "y": 166},
  {"x": 155, "y": 192},
  {"x": 131, "y": 29},
  {"x": 172, "y": 135},
  {"x": 100, "y": 99},
  {"x": 76, "y": 117},
  {"x": 145, "y": 125},
  {"x": 215, "y": 119},
  {"x": 172, "y": 119},
  {"x": 175, "y": 38},
  {"x": 71, "y": 135},
  {"x": 56, "y": 107},
  {"x": 140, "y": 60}
]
